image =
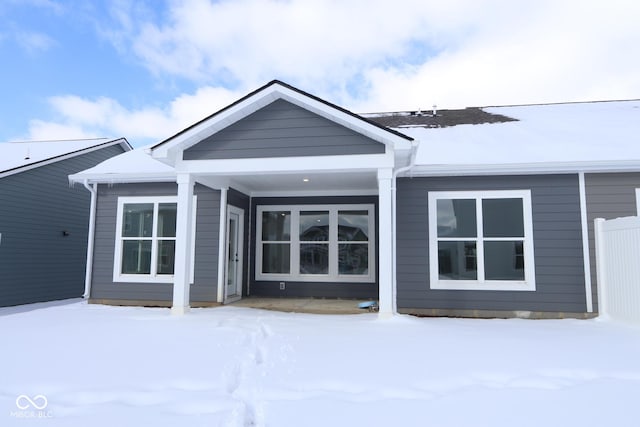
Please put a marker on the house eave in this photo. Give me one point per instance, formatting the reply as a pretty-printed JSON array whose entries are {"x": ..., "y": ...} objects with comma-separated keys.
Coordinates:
[
  {"x": 523, "y": 168},
  {"x": 121, "y": 178}
]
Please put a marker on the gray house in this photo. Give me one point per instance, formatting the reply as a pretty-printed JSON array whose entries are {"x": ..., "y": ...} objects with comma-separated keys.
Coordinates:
[
  {"x": 43, "y": 221},
  {"x": 476, "y": 212}
]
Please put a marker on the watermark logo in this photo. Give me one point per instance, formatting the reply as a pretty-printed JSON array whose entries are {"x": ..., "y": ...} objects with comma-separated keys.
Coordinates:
[{"x": 31, "y": 407}]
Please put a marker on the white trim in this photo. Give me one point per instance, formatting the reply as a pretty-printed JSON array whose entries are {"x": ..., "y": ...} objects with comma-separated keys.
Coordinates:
[
  {"x": 294, "y": 242},
  {"x": 585, "y": 243},
  {"x": 240, "y": 248},
  {"x": 117, "y": 260},
  {"x": 481, "y": 284},
  {"x": 280, "y": 165},
  {"x": 302, "y": 193},
  {"x": 638, "y": 201},
  {"x": 525, "y": 168},
  {"x": 222, "y": 226}
]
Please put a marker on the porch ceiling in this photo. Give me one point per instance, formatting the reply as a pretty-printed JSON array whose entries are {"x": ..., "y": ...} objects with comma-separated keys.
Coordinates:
[{"x": 302, "y": 183}]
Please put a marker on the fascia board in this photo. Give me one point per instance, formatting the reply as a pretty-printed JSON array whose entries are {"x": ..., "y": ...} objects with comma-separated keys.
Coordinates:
[
  {"x": 524, "y": 168},
  {"x": 278, "y": 165}
]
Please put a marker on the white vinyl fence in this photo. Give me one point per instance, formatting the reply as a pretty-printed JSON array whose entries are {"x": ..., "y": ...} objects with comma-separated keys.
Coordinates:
[{"x": 618, "y": 268}]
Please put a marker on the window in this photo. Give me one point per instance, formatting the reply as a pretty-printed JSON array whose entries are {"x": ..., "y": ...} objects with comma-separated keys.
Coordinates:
[
  {"x": 316, "y": 243},
  {"x": 146, "y": 239},
  {"x": 481, "y": 240},
  {"x": 638, "y": 201}
]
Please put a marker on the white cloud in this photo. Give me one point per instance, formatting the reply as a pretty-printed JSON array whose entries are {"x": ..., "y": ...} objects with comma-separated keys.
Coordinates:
[
  {"x": 366, "y": 55},
  {"x": 373, "y": 55},
  {"x": 105, "y": 117}
]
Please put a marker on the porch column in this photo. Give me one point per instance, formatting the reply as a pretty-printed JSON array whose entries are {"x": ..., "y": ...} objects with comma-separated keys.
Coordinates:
[
  {"x": 386, "y": 268},
  {"x": 184, "y": 218}
]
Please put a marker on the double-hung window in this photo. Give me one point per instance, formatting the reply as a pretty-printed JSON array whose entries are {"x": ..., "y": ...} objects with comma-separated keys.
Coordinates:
[
  {"x": 146, "y": 239},
  {"x": 481, "y": 240},
  {"x": 316, "y": 243}
]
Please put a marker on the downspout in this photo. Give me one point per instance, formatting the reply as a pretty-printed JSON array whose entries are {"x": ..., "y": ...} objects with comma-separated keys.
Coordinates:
[
  {"x": 414, "y": 150},
  {"x": 90, "y": 238}
]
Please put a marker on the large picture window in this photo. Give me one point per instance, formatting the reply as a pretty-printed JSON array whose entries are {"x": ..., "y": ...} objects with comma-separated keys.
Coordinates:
[
  {"x": 146, "y": 239},
  {"x": 316, "y": 243},
  {"x": 481, "y": 240}
]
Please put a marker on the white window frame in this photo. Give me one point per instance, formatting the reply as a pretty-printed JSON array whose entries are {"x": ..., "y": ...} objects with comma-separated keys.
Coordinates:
[
  {"x": 119, "y": 277},
  {"x": 481, "y": 283},
  {"x": 294, "y": 266},
  {"x": 638, "y": 201}
]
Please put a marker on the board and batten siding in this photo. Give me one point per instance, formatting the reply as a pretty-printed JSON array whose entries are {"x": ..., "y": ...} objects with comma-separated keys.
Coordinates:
[
  {"x": 282, "y": 129},
  {"x": 609, "y": 196},
  {"x": 38, "y": 260},
  {"x": 557, "y": 243},
  {"x": 293, "y": 289},
  {"x": 204, "y": 288}
]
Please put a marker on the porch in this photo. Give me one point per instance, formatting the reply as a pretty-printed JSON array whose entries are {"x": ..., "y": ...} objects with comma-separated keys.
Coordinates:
[{"x": 303, "y": 305}]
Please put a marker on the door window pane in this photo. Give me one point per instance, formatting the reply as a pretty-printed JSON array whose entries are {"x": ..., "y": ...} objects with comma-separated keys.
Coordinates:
[
  {"x": 276, "y": 226},
  {"x": 314, "y": 226},
  {"x": 138, "y": 220},
  {"x": 136, "y": 256},
  {"x": 167, "y": 219},
  {"x": 314, "y": 258},
  {"x": 456, "y": 218},
  {"x": 457, "y": 260},
  {"x": 504, "y": 260},
  {"x": 353, "y": 258},
  {"x": 166, "y": 256},
  {"x": 353, "y": 226},
  {"x": 275, "y": 258},
  {"x": 502, "y": 218}
]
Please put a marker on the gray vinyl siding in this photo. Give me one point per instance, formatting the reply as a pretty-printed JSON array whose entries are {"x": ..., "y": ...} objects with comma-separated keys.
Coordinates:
[
  {"x": 204, "y": 288},
  {"x": 557, "y": 246},
  {"x": 311, "y": 289},
  {"x": 282, "y": 129},
  {"x": 37, "y": 261},
  {"x": 609, "y": 195}
]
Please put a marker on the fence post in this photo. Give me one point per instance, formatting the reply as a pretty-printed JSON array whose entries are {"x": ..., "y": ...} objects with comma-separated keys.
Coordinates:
[{"x": 601, "y": 267}]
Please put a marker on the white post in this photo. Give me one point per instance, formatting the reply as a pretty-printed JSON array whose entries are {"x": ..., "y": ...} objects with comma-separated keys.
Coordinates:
[
  {"x": 222, "y": 246},
  {"x": 585, "y": 242},
  {"x": 601, "y": 266},
  {"x": 184, "y": 219},
  {"x": 387, "y": 302}
]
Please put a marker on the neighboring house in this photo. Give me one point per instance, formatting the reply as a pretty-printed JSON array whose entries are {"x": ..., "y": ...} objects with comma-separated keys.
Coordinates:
[
  {"x": 43, "y": 221},
  {"x": 284, "y": 194}
]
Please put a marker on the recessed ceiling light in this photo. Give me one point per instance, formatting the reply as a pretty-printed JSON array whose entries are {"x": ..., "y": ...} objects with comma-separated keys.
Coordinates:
[{"x": 305, "y": 179}]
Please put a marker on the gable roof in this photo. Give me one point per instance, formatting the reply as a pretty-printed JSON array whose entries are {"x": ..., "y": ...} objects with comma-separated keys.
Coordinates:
[
  {"x": 265, "y": 95},
  {"x": 16, "y": 157}
]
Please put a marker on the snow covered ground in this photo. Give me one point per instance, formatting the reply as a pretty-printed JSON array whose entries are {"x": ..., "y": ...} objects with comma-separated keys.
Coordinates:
[{"x": 116, "y": 366}]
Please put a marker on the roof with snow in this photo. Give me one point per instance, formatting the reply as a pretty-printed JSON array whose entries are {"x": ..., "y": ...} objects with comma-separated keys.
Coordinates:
[
  {"x": 551, "y": 137},
  {"x": 19, "y": 156},
  {"x": 132, "y": 166},
  {"x": 599, "y": 136}
]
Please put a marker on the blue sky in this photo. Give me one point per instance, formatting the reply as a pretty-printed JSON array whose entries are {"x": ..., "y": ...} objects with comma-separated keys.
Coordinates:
[{"x": 146, "y": 69}]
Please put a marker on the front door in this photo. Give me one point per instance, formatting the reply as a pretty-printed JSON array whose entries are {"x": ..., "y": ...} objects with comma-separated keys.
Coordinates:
[{"x": 235, "y": 222}]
